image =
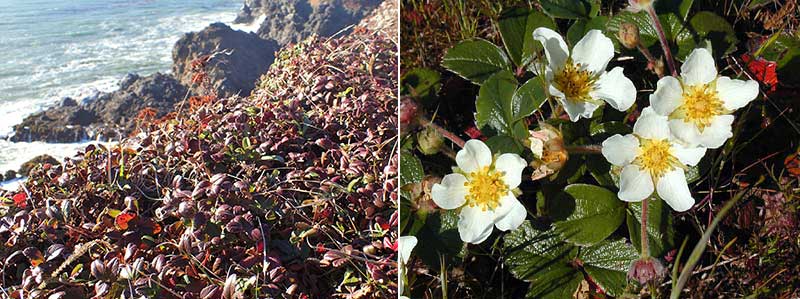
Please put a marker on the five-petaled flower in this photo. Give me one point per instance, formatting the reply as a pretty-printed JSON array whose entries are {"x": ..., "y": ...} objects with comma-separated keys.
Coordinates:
[
  {"x": 482, "y": 186},
  {"x": 652, "y": 160},
  {"x": 700, "y": 103},
  {"x": 578, "y": 79}
]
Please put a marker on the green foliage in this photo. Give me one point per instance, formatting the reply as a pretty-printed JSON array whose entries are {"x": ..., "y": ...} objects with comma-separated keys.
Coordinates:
[
  {"x": 516, "y": 28},
  {"x": 476, "y": 60},
  {"x": 411, "y": 170},
  {"x": 570, "y": 9},
  {"x": 439, "y": 236},
  {"x": 501, "y": 106},
  {"x": 555, "y": 268},
  {"x": 592, "y": 214},
  {"x": 659, "y": 226},
  {"x": 421, "y": 83}
]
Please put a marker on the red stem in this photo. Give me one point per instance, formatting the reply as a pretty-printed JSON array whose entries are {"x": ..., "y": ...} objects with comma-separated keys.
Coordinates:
[
  {"x": 663, "y": 38},
  {"x": 645, "y": 241}
]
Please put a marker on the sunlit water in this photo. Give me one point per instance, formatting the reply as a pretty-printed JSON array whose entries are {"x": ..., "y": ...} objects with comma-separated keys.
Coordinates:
[{"x": 76, "y": 48}]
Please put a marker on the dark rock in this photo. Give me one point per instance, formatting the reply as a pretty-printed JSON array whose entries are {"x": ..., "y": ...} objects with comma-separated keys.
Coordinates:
[
  {"x": 110, "y": 115},
  {"x": 10, "y": 175},
  {"x": 290, "y": 21},
  {"x": 128, "y": 80},
  {"x": 68, "y": 102},
  {"x": 36, "y": 161},
  {"x": 241, "y": 59}
]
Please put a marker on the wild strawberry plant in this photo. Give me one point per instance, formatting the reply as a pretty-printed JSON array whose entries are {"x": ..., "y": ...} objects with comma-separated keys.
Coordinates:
[{"x": 570, "y": 172}]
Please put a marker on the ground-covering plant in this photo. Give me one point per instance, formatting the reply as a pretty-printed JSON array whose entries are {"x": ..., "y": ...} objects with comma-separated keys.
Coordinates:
[
  {"x": 603, "y": 141},
  {"x": 288, "y": 193}
]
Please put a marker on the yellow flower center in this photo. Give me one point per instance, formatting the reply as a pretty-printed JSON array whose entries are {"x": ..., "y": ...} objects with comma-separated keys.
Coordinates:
[
  {"x": 700, "y": 105},
  {"x": 486, "y": 187},
  {"x": 574, "y": 82},
  {"x": 655, "y": 157}
]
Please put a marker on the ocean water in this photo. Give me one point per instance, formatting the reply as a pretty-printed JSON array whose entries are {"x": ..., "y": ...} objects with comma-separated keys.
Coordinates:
[{"x": 54, "y": 49}]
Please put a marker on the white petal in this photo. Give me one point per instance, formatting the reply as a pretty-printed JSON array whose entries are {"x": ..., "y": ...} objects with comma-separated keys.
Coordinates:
[
  {"x": 593, "y": 51},
  {"x": 537, "y": 147},
  {"x": 688, "y": 155},
  {"x": 620, "y": 150},
  {"x": 576, "y": 110},
  {"x": 474, "y": 224},
  {"x": 684, "y": 131},
  {"x": 718, "y": 132},
  {"x": 634, "y": 184},
  {"x": 672, "y": 189},
  {"x": 616, "y": 89},
  {"x": 650, "y": 125},
  {"x": 668, "y": 95},
  {"x": 474, "y": 156},
  {"x": 510, "y": 214},
  {"x": 554, "y": 47},
  {"x": 404, "y": 246},
  {"x": 698, "y": 68},
  {"x": 451, "y": 193},
  {"x": 511, "y": 165},
  {"x": 736, "y": 94}
]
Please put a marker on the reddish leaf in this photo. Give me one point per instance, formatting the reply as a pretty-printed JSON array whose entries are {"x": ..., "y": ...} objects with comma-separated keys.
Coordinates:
[
  {"x": 21, "y": 200},
  {"x": 123, "y": 219},
  {"x": 474, "y": 133},
  {"x": 792, "y": 163},
  {"x": 763, "y": 70}
]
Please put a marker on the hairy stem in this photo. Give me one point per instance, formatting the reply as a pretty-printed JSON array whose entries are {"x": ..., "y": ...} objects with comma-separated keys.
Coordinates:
[
  {"x": 644, "y": 240},
  {"x": 584, "y": 149},
  {"x": 663, "y": 39},
  {"x": 445, "y": 133}
]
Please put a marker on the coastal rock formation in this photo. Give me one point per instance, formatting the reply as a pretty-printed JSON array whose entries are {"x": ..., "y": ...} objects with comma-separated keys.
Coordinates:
[
  {"x": 36, "y": 161},
  {"x": 241, "y": 58},
  {"x": 110, "y": 115},
  {"x": 290, "y": 21}
]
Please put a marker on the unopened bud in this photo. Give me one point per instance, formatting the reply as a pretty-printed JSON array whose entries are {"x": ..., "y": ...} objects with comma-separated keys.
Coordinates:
[
  {"x": 408, "y": 114},
  {"x": 429, "y": 141},
  {"x": 646, "y": 270},
  {"x": 639, "y": 5},
  {"x": 628, "y": 35}
]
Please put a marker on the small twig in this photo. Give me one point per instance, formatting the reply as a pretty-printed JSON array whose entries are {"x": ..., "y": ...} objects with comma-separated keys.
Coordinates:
[
  {"x": 651, "y": 11},
  {"x": 445, "y": 133}
]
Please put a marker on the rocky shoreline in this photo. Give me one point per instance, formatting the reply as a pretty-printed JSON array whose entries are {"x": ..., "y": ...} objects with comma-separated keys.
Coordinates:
[
  {"x": 243, "y": 58},
  {"x": 111, "y": 116}
]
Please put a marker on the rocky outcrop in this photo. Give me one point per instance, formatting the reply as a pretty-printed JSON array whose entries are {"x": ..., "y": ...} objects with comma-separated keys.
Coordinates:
[
  {"x": 239, "y": 60},
  {"x": 36, "y": 161},
  {"x": 289, "y": 21},
  {"x": 108, "y": 116}
]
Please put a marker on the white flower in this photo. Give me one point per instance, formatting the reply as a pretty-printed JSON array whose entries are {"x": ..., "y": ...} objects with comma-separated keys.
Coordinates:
[
  {"x": 404, "y": 246},
  {"x": 639, "y": 5},
  {"x": 482, "y": 187},
  {"x": 699, "y": 104},
  {"x": 652, "y": 161},
  {"x": 579, "y": 79}
]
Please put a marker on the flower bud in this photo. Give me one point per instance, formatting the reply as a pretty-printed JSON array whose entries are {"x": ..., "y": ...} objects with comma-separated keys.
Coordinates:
[
  {"x": 646, "y": 270},
  {"x": 639, "y": 5},
  {"x": 429, "y": 141},
  {"x": 628, "y": 35},
  {"x": 408, "y": 114},
  {"x": 550, "y": 155}
]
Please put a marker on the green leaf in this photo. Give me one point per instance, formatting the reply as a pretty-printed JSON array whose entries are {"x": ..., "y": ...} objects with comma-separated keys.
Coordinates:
[
  {"x": 597, "y": 214},
  {"x": 567, "y": 9},
  {"x": 516, "y": 28},
  {"x": 411, "y": 170},
  {"x": 707, "y": 25},
  {"x": 679, "y": 8},
  {"x": 601, "y": 131},
  {"x": 475, "y": 60},
  {"x": 494, "y": 103},
  {"x": 438, "y": 236},
  {"x": 600, "y": 169},
  {"x": 539, "y": 255},
  {"x": 502, "y": 144},
  {"x": 660, "y": 232},
  {"x": 608, "y": 262},
  {"x": 581, "y": 27},
  {"x": 421, "y": 83},
  {"x": 673, "y": 27},
  {"x": 528, "y": 98}
]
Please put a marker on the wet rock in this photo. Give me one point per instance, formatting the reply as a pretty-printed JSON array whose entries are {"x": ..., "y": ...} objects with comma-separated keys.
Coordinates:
[
  {"x": 289, "y": 21},
  {"x": 38, "y": 160},
  {"x": 110, "y": 115},
  {"x": 245, "y": 58},
  {"x": 68, "y": 102}
]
